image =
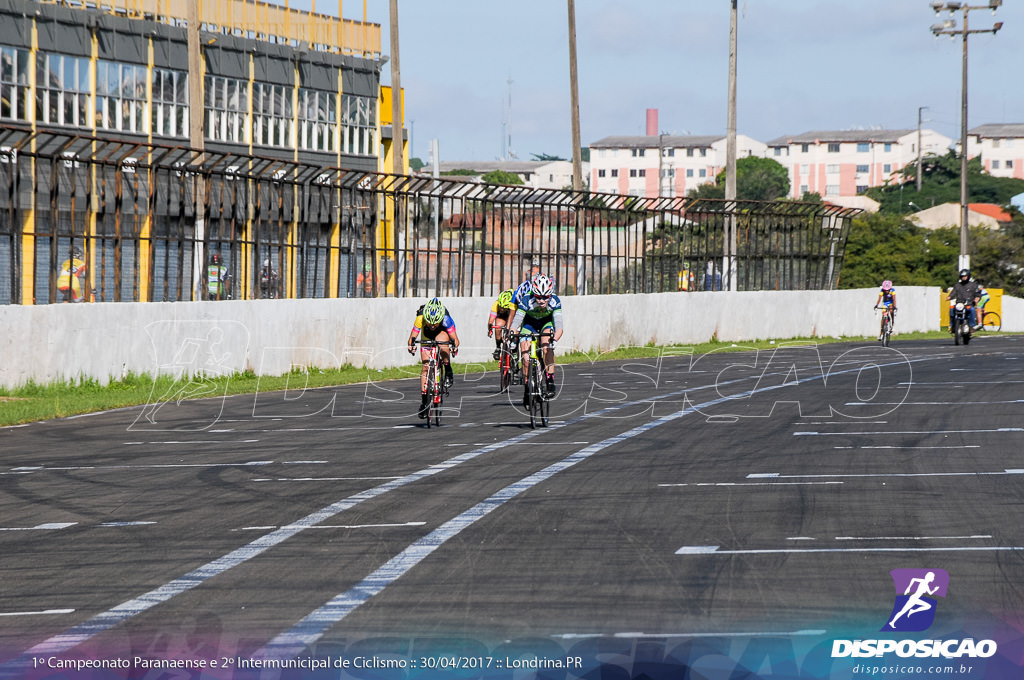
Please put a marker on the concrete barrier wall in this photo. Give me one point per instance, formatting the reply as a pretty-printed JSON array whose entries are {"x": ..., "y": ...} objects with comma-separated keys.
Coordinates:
[{"x": 105, "y": 341}]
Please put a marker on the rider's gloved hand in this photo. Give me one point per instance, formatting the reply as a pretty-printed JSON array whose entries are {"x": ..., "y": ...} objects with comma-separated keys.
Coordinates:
[{"x": 412, "y": 349}]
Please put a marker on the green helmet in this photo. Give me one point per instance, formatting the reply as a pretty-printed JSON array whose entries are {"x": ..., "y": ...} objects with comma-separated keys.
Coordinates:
[
  {"x": 505, "y": 299},
  {"x": 433, "y": 312}
]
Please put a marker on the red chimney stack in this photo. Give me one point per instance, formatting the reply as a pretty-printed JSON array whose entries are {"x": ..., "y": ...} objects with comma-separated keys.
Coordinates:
[{"x": 652, "y": 122}]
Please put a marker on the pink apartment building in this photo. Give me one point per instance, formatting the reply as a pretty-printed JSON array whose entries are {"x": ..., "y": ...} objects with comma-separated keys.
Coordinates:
[
  {"x": 840, "y": 163},
  {"x": 1001, "y": 146}
]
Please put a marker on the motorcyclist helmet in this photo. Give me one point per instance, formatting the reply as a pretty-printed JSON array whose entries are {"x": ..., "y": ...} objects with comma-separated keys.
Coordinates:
[
  {"x": 433, "y": 312},
  {"x": 965, "y": 273},
  {"x": 541, "y": 286},
  {"x": 505, "y": 299},
  {"x": 887, "y": 285}
]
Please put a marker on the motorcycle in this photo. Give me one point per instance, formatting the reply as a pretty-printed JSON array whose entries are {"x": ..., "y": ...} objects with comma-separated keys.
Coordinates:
[{"x": 960, "y": 326}]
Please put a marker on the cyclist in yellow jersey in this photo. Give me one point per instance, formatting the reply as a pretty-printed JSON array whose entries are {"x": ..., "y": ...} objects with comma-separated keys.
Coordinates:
[
  {"x": 502, "y": 312},
  {"x": 433, "y": 320}
]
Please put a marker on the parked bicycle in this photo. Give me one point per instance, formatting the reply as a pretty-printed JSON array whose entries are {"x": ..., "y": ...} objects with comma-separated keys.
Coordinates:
[
  {"x": 536, "y": 399},
  {"x": 508, "y": 361},
  {"x": 436, "y": 390},
  {"x": 991, "y": 321}
]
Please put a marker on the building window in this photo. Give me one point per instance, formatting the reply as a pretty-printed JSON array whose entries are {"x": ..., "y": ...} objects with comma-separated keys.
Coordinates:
[
  {"x": 1009, "y": 165},
  {"x": 833, "y": 147},
  {"x": 689, "y": 152},
  {"x": 887, "y": 168},
  {"x": 642, "y": 172},
  {"x": 863, "y": 147},
  {"x": 804, "y": 189},
  {"x": 227, "y": 109},
  {"x": 272, "y": 115},
  {"x": 14, "y": 83},
  {"x": 170, "y": 102},
  {"x": 689, "y": 172},
  {"x": 703, "y": 173},
  {"x": 995, "y": 165},
  {"x": 615, "y": 172},
  {"x": 703, "y": 152},
  {"x": 832, "y": 169},
  {"x": 861, "y": 188},
  {"x": 638, "y": 152},
  {"x": 121, "y": 97},
  {"x": 62, "y": 90},
  {"x": 831, "y": 189},
  {"x": 358, "y": 124},
  {"x": 888, "y": 147},
  {"x": 317, "y": 120},
  {"x": 632, "y": 172},
  {"x": 995, "y": 143},
  {"x": 600, "y": 173},
  {"x": 862, "y": 168},
  {"x": 805, "y": 169},
  {"x": 805, "y": 148}
]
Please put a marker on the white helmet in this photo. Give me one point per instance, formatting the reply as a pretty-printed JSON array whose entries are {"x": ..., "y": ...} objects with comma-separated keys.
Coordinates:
[{"x": 541, "y": 286}]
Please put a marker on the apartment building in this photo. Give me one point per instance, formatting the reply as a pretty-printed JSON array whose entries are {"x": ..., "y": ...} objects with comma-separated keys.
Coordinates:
[
  {"x": 1001, "y": 146},
  {"x": 836, "y": 163},
  {"x": 661, "y": 165},
  {"x": 535, "y": 174}
]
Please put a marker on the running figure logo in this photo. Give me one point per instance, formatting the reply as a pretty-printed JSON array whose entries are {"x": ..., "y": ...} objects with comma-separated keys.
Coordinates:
[{"x": 914, "y": 609}]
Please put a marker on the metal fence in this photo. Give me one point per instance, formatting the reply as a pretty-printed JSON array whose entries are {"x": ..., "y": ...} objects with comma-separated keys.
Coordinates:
[{"x": 126, "y": 214}]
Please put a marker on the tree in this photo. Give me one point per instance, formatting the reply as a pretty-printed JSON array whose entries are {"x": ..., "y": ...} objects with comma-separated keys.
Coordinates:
[
  {"x": 501, "y": 177},
  {"x": 757, "y": 179}
]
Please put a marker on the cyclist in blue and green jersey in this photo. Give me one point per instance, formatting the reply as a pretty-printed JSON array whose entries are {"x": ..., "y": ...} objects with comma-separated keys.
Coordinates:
[
  {"x": 435, "y": 323},
  {"x": 982, "y": 301},
  {"x": 538, "y": 312}
]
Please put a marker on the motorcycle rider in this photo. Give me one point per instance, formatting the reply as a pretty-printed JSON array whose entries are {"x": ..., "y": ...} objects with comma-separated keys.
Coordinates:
[{"x": 965, "y": 290}]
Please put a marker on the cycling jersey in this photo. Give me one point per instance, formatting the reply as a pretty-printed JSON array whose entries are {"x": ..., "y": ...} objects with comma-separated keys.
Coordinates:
[
  {"x": 985, "y": 297},
  {"x": 888, "y": 296},
  {"x": 533, "y": 317}
]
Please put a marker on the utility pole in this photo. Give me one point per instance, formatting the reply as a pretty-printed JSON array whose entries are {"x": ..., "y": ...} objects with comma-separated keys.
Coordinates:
[
  {"x": 919, "y": 110},
  {"x": 195, "y": 138},
  {"x": 397, "y": 140},
  {"x": 730, "y": 161},
  {"x": 949, "y": 28},
  {"x": 577, "y": 153}
]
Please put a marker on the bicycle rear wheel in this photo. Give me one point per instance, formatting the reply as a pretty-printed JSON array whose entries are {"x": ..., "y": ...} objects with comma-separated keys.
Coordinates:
[
  {"x": 992, "y": 321},
  {"x": 505, "y": 368},
  {"x": 533, "y": 389}
]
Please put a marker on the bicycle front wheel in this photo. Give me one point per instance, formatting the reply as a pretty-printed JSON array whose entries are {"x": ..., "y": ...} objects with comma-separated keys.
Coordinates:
[
  {"x": 533, "y": 390},
  {"x": 992, "y": 321}
]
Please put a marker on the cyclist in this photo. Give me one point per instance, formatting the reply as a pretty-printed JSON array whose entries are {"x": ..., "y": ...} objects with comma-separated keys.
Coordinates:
[
  {"x": 887, "y": 299},
  {"x": 964, "y": 290},
  {"x": 71, "y": 280},
  {"x": 434, "y": 321},
  {"x": 502, "y": 312},
  {"x": 538, "y": 312},
  {"x": 983, "y": 300}
]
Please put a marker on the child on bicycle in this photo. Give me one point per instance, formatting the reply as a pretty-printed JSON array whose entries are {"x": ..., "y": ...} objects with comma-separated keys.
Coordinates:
[
  {"x": 434, "y": 321},
  {"x": 540, "y": 312},
  {"x": 887, "y": 299}
]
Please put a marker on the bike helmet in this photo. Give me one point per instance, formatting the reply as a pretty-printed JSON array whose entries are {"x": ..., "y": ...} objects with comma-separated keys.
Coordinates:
[
  {"x": 505, "y": 299},
  {"x": 541, "y": 286},
  {"x": 215, "y": 259},
  {"x": 433, "y": 312},
  {"x": 887, "y": 285},
  {"x": 522, "y": 291},
  {"x": 76, "y": 253}
]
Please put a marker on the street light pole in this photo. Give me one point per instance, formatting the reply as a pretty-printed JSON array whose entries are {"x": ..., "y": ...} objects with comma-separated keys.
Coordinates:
[{"x": 949, "y": 28}]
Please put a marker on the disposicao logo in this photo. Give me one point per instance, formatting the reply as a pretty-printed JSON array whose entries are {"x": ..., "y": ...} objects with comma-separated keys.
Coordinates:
[
  {"x": 916, "y": 590},
  {"x": 914, "y": 611}
]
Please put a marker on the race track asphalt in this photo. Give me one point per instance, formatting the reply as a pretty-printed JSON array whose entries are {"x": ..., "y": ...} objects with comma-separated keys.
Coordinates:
[{"x": 752, "y": 493}]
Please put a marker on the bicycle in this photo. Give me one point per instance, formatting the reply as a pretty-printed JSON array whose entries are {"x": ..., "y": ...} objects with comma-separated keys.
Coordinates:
[
  {"x": 991, "y": 321},
  {"x": 538, "y": 404},
  {"x": 436, "y": 390},
  {"x": 885, "y": 334},
  {"x": 508, "y": 360}
]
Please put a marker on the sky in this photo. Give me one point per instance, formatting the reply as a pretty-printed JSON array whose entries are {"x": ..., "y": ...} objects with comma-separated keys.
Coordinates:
[{"x": 474, "y": 69}]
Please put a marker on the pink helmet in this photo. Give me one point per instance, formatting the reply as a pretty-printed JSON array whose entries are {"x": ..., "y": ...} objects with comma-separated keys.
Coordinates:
[{"x": 886, "y": 285}]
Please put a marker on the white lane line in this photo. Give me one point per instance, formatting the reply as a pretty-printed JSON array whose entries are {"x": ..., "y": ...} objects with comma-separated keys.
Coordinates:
[
  {"x": 757, "y": 633},
  {"x": 304, "y": 462},
  {"x": 714, "y": 550},
  {"x": 220, "y": 442},
  {"x": 322, "y": 479},
  {"x": 52, "y": 526},
  {"x": 154, "y": 466},
  {"x": 749, "y": 484},
  {"x": 899, "y": 448},
  {"x": 341, "y": 526},
  {"x": 890, "y": 433},
  {"x": 313, "y": 626},
  {"x": 935, "y": 403},
  {"x": 776, "y": 475},
  {"x": 976, "y": 537},
  {"x": 126, "y": 524},
  {"x": 44, "y": 612}
]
